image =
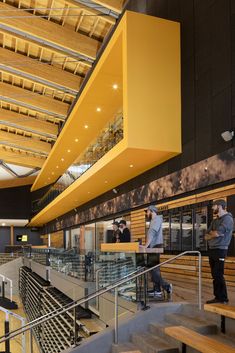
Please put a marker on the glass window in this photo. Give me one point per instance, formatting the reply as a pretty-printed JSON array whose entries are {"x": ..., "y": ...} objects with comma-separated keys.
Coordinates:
[
  {"x": 200, "y": 227},
  {"x": 104, "y": 232},
  {"x": 187, "y": 230},
  {"x": 75, "y": 238},
  {"x": 175, "y": 231},
  {"x": 89, "y": 238}
]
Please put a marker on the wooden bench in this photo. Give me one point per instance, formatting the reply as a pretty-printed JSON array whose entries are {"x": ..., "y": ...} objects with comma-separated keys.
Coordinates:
[
  {"x": 222, "y": 309},
  {"x": 197, "y": 341}
]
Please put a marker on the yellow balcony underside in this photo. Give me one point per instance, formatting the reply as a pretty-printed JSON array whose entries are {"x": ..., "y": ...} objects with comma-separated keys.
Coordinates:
[
  {"x": 143, "y": 57},
  {"x": 110, "y": 171}
]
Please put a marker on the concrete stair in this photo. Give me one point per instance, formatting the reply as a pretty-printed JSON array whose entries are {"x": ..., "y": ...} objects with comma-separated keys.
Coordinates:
[
  {"x": 194, "y": 323},
  {"x": 125, "y": 348},
  {"x": 156, "y": 341}
]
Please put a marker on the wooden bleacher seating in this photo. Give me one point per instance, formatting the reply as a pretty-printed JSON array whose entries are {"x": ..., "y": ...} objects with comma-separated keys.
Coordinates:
[
  {"x": 222, "y": 309},
  {"x": 197, "y": 341},
  {"x": 186, "y": 269}
]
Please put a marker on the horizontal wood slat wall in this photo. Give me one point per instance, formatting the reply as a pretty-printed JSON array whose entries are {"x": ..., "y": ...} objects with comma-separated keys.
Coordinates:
[
  {"x": 138, "y": 225},
  {"x": 186, "y": 268},
  {"x": 57, "y": 239}
]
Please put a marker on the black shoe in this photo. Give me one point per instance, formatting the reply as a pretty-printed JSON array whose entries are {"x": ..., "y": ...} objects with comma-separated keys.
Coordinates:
[{"x": 215, "y": 300}]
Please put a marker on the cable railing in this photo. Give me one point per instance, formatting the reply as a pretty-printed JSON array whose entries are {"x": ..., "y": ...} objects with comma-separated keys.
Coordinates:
[{"x": 113, "y": 286}]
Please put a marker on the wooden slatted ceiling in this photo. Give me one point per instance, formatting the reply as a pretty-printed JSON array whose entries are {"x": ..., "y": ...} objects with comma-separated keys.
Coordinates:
[
  {"x": 9, "y": 118},
  {"x": 47, "y": 48},
  {"x": 39, "y": 70},
  {"x": 18, "y": 157},
  {"x": 48, "y": 31}
]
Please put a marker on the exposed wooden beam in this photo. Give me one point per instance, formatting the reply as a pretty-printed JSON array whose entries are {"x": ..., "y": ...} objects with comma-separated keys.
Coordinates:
[
  {"x": 48, "y": 31},
  {"x": 39, "y": 70},
  {"x": 24, "y": 143},
  {"x": 87, "y": 9},
  {"x": 39, "y": 102},
  {"x": 22, "y": 159},
  {"x": 115, "y": 5},
  {"x": 27, "y": 123},
  {"x": 10, "y": 183},
  {"x": 56, "y": 51}
]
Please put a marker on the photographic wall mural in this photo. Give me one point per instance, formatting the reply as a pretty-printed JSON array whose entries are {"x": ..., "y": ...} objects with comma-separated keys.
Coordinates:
[{"x": 213, "y": 170}]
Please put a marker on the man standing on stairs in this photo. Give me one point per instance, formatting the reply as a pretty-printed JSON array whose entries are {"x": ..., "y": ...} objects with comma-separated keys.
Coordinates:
[
  {"x": 155, "y": 240},
  {"x": 219, "y": 236}
]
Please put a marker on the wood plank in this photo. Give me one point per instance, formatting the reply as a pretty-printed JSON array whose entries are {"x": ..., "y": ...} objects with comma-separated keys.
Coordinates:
[
  {"x": 38, "y": 102},
  {"x": 221, "y": 309},
  {"x": 115, "y": 5},
  {"x": 195, "y": 340},
  {"x": 11, "y": 183},
  {"x": 42, "y": 71},
  {"x": 21, "y": 159},
  {"x": 27, "y": 123},
  {"x": 49, "y": 32},
  {"x": 25, "y": 143},
  {"x": 87, "y": 9}
]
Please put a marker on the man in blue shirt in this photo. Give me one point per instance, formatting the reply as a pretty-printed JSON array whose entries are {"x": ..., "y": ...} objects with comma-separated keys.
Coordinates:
[
  {"x": 155, "y": 240},
  {"x": 219, "y": 235}
]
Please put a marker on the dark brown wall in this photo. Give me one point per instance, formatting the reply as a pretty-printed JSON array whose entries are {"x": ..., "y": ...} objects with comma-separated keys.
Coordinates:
[{"x": 15, "y": 203}]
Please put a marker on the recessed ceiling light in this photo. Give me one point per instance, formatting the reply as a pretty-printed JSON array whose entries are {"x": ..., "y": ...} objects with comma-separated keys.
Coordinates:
[
  {"x": 49, "y": 178},
  {"x": 131, "y": 166},
  {"x": 69, "y": 150},
  {"x": 98, "y": 109},
  {"x": 57, "y": 166},
  {"x": 76, "y": 140},
  {"x": 106, "y": 181},
  {"x": 86, "y": 126},
  {"x": 52, "y": 173},
  {"x": 62, "y": 159},
  {"x": 3, "y": 224},
  {"x": 88, "y": 192},
  {"x": 115, "y": 86}
]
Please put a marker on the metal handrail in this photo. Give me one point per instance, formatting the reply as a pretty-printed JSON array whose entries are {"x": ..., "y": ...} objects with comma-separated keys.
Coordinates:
[{"x": 128, "y": 278}]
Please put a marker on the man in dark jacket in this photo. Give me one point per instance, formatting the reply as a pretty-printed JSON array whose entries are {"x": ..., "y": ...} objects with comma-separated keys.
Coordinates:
[
  {"x": 219, "y": 236},
  {"x": 125, "y": 235}
]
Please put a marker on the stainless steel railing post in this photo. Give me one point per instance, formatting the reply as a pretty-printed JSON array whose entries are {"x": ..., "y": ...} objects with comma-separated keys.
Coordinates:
[
  {"x": 116, "y": 317},
  {"x": 200, "y": 281},
  {"x": 31, "y": 340}
]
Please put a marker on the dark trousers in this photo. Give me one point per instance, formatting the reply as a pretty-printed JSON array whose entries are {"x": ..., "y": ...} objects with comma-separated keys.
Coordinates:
[
  {"x": 158, "y": 281},
  {"x": 217, "y": 259}
]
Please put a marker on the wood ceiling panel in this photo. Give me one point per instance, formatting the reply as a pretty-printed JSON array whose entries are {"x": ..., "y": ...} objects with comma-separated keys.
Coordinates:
[
  {"x": 34, "y": 100},
  {"x": 25, "y": 143},
  {"x": 21, "y": 158},
  {"x": 39, "y": 70},
  {"x": 49, "y": 31},
  {"x": 114, "y": 5},
  {"x": 27, "y": 123}
]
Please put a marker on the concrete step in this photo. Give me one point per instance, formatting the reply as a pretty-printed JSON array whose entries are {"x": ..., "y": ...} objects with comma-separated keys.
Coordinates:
[
  {"x": 194, "y": 323},
  {"x": 149, "y": 343},
  {"x": 158, "y": 329},
  {"x": 125, "y": 348}
]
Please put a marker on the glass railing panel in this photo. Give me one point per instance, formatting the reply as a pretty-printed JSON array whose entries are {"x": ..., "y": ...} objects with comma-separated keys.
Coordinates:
[{"x": 106, "y": 140}]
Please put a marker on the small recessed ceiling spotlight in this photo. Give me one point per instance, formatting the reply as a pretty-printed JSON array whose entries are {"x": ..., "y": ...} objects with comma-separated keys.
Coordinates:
[
  {"x": 62, "y": 159},
  {"x": 76, "y": 140},
  {"x": 49, "y": 178},
  {"x": 86, "y": 126},
  {"x": 69, "y": 151},
  {"x": 98, "y": 109},
  {"x": 115, "y": 191},
  {"x": 88, "y": 192},
  {"x": 52, "y": 173},
  {"x": 106, "y": 181},
  {"x": 227, "y": 135},
  {"x": 131, "y": 166},
  {"x": 57, "y": 167},
  {"x": 115, "y": 86},
  {"x": 3, "y": 224}
]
